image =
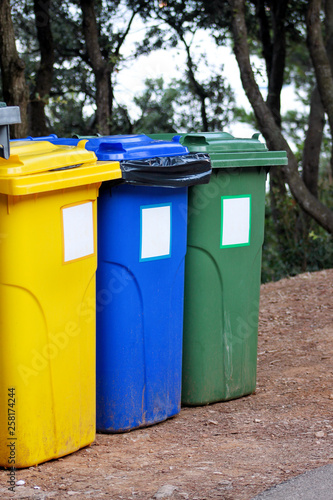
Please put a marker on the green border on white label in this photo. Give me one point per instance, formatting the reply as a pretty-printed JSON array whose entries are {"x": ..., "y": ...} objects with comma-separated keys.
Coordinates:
[{"x": 235, "y": 221}]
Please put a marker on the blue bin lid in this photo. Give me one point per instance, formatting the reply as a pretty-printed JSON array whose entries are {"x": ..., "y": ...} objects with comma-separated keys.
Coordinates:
[{"x": 123, "y": 147}]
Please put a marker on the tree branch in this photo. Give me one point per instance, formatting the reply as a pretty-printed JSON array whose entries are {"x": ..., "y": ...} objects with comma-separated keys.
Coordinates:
[
  {"x": 320, "y": 59},
  {"x": 268, "y": 127},
  {"x": 124, "y": 35}
]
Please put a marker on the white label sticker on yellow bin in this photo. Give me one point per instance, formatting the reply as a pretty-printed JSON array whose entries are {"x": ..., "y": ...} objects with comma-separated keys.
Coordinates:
[
  {"x": 78, "y": 230},
  {"x": 155, "y": 232}
]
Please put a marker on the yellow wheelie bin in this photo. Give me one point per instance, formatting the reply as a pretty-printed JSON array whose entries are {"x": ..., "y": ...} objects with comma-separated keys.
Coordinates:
[{"x": 48, "y": 259}]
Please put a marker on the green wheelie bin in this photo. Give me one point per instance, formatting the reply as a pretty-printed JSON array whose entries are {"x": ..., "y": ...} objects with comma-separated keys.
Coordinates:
[{"x": 223, "y": 267}]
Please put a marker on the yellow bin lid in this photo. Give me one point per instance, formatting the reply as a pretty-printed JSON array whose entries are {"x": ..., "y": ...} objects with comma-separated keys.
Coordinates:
[{"x": 36, "y": 167}]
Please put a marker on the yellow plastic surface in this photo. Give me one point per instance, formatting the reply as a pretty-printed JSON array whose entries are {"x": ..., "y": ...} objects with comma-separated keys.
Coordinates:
[
  {"x": 47, "y": 315},
  {"x": 47, "y": 330},
  {"x": 33, "y": 167},
  {"x": 61, "y": 179},
  {"x": 30, "y": 157}
]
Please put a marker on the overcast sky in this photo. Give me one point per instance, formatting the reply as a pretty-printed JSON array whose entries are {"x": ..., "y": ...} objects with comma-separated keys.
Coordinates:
[{"x": 171, "y": 64}]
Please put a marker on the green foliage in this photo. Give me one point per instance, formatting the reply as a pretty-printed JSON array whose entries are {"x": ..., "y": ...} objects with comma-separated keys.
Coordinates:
[
  {"x": 304, "y": 245},
  {"x": 243, "y": 116},
  {"x": 172, "y": 107},
  {"x": 121, "y": 121},
  {"x": 67, "y": 117},
  {"x": 157, "y": 106}
]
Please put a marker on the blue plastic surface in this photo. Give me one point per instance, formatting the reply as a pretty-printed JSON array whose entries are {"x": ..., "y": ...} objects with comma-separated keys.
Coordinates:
[
  {"x": 123, "y": 147},
  {"x": 139, "y": 306},
  {"x": 133, "y": 147}
]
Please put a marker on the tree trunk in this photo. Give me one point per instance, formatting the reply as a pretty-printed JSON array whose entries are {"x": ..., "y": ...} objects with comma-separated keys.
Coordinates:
[
  {"x": 264, "y": 34},
  {"x": 38, "y": 99},
  {"x": 99, "y": 66},
  {"x": 274, "y": 52},
  {"x": 312, "y": 143},
  {"x": 320, "y": 59},
  {"x": 15, "y": 90},
  {"x": 313, "y": 140},
  {"x": 328, "y": 6},
  {"x": 268, "y": 127},
  {"x": 196, "y": 86},
  {"x": 276, "y": 74}
]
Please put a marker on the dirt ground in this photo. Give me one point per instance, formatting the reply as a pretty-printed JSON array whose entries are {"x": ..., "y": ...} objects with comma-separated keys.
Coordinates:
[{"x": 231, "y": 450}]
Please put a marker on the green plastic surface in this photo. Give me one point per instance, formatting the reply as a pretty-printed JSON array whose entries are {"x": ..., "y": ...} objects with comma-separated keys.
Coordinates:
[
  {"x": 81, "y": 137},
  {"x": 228, "y": 151},
  {"x": 248, "y": 159},
  {"x": 222, "y": 289},
  {"x": 222, "y": 278}
]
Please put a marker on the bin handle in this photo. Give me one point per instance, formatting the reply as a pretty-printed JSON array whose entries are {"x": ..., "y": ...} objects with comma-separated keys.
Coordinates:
[
  {"x": 66, "y": 168},
  {"x": 8, "y": 116}
]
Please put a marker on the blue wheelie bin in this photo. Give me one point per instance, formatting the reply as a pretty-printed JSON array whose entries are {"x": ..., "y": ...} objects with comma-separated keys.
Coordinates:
[{"x": 142, "y": 230}]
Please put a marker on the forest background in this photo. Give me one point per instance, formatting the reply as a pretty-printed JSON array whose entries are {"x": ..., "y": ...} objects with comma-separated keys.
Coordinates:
[{"x": 61, "y": 62}]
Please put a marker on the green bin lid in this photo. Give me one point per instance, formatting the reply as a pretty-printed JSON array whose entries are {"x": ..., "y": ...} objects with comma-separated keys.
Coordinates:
[
  {"x": 77, "y": 136},
  {"x": 227, "y": 151}
]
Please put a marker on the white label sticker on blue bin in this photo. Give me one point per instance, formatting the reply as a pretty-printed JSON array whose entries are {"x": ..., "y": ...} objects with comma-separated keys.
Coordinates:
[
  {"x": 155, "y": 232},
  {"x": 78, "y": 231},
  {"x": 236, "y": 221}
]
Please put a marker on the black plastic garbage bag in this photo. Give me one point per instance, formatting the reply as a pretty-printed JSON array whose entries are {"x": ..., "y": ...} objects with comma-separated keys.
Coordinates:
[{"x": 169, "y": 171}]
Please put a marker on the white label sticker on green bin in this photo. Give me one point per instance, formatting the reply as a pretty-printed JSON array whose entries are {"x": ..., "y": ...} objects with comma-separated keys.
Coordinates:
[
  {"x": 78, "y": 231},
  {"x": 235, "y": 221},
  {"x": 155, "y": 232}
]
